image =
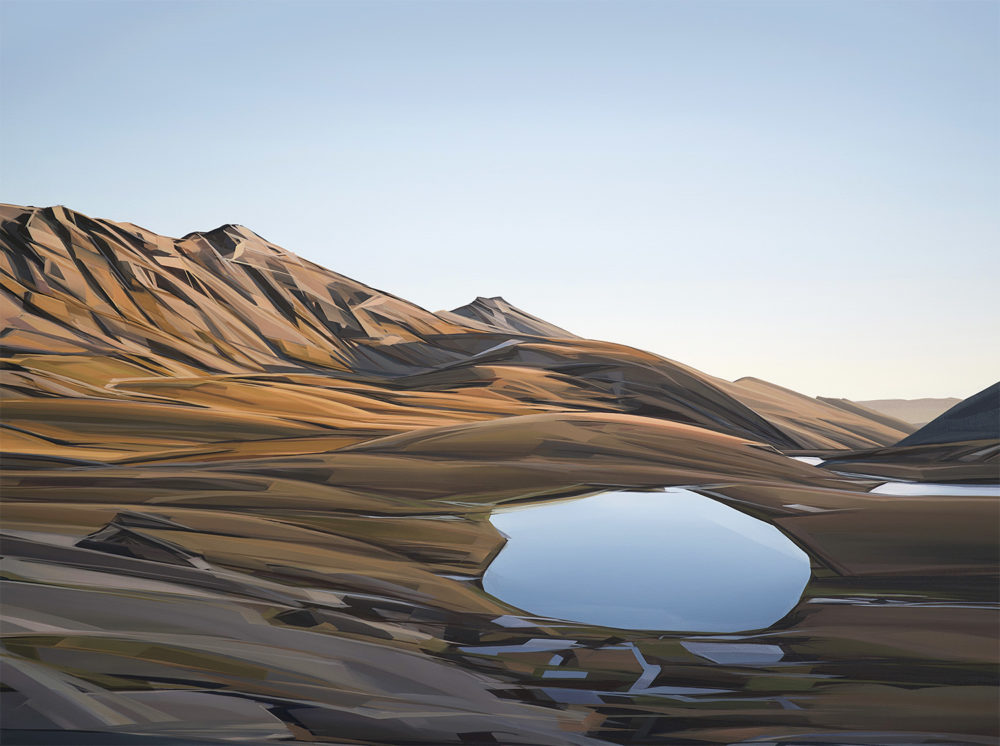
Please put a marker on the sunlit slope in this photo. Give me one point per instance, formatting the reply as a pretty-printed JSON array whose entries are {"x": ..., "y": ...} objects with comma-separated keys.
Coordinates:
[
  {"x": 822, "y": 423},
  {"x": 916, "y": 411},
  {"x": 226, "y": 324},
  {"x": 247, "y": 499}
]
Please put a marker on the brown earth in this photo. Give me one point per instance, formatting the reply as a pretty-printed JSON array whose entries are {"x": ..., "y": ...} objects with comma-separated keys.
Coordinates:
[{"x": 245, "y": 498}]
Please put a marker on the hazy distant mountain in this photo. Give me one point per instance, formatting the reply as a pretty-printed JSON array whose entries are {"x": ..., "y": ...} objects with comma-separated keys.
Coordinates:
[
  {"x": 963, "y": 444},
  {"x": 915, "y": 411},
  {"x": 873, "y": 414},
  {"x": 247, "y": 500},
  {"x": 975, "y": 418},
  {"x": 99, "y": 310}
]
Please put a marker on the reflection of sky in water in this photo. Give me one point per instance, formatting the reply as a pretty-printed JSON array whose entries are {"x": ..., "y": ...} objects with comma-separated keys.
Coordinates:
[
  {"x": 670, "y": 560},
  {"x": 811, "y": 460},
  {"x": 930, "y": 488}
]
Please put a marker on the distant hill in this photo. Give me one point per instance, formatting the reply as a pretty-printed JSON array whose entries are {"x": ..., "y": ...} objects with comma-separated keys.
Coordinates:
[
  {"x": 496, "y": 314},
  {"x": 852, "y": 406},
  {"x": 915, "y": 411},
  {"x": 797, "y": 413},
  {"x": 247, "y": 497},
  {"x": 976, "y": 418},
  {"x": 961, "y": 445}
]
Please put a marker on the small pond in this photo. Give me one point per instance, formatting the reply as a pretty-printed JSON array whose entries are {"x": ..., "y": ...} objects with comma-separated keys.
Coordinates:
[{"x": 671, "y": 561}]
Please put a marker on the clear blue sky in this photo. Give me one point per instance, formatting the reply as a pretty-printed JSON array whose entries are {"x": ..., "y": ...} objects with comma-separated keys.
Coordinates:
[{"x": 807, "y": 192}]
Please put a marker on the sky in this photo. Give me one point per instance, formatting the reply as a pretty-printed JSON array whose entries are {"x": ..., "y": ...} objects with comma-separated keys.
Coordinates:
[{"x": 805, "y": 192}]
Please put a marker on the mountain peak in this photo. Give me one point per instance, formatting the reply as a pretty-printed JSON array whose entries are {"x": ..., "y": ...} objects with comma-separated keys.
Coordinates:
[
  {"x": 232, "y": 234},
  {"x": 975, "y": 418},
  {"x": 498, "y": 314}
]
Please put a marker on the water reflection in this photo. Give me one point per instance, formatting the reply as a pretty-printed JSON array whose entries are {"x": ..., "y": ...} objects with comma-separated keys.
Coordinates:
[
  {"x": 671, "y": 560},
  {"x": 932, "y": 488}
]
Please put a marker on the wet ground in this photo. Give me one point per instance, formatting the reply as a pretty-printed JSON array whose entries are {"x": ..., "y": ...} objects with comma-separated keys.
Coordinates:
[{"x": 728, "y": 612}]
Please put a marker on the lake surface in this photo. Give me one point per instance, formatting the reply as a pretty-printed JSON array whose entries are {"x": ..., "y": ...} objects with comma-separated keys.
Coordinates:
[
  {"x": 671, "y": 561},
  {"x": 934, "y": 488},
  {"x": 811, "y": 460}
]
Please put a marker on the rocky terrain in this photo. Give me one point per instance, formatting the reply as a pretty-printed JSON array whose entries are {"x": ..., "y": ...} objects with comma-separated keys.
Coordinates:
[{"x": 247, "y": 499}]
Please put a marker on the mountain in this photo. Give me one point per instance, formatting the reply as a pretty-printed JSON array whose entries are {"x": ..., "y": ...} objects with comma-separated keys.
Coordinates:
[
  {"x": 915, "y": 411},
  {"x": 798, "y": 414},
  {"x": 248, "y": 500},
  {"x": 272, "y": 345},
  {"x": 869, "y": 413},
  {"x": 496, "y": 314},
  {"x": 961, "y": 445},
  {"x": 976, "y": 418}
]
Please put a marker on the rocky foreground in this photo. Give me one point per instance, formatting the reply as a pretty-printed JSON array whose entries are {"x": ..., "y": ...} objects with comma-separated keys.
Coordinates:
[{"x": 246, "y": 499}]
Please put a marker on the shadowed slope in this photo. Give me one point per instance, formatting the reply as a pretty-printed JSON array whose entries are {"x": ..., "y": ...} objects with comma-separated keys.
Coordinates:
[
  {"x": 800, "y": 415},
  {"x": 870, "y": 414},
  {"x": 917, "y": 412},
  {"x": 962, "y": 445},
  {"x": 498, "y": 315},
  {"x": 976, "y": 418},
  {"x": 104, "y": 310},
  {"x": 247, "y": 500}
]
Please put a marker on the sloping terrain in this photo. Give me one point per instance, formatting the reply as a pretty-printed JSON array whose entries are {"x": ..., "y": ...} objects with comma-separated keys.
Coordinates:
[
  {"x": 975, "y": 418},
  {"x": 872, "y": 414},
  {"x": 798, "y": 414},
  {"x": 914, "y": 411},
  {"x": 246, "y": 500},
  {"x": 102, "y": 310},
  {"x": 961, "y": 445},
  {"x": 498, "y": 315}
]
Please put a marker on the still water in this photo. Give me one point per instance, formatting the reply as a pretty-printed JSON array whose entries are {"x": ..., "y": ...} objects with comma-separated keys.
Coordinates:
[
  {"x": 934, "y": 488},
  {"x": 671, "y": 561}
]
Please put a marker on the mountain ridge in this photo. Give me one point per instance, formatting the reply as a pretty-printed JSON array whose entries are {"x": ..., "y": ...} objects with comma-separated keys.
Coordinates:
[
  {"x": 498, "y": 314},
  {"x": 227, "y": 302},
  {"x": 917, "y": 411},
  {"x": 249, "y": 499}
]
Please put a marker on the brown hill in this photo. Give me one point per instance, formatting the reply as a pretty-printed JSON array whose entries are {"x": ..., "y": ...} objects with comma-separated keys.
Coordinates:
[
  {"x": 872, "y": 414},
  {"x": 225, "y": 320},
  {"x": 915, "y": 411},
  {"x": 798, "y": 415},
  {"x": 496, "y": 314},
  {"x": 246, "y": 499},
  {"x": 960, "y": 445}
]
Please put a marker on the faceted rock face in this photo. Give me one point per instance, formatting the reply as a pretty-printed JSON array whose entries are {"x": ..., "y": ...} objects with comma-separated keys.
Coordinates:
[
  {"x": 248, "y": 499},
  {"x": 499, "y": 315},
  {"x": 917, "y": 412},
  {"x": 98, "y": 309}
]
